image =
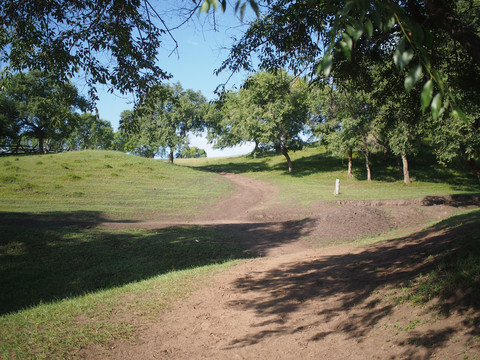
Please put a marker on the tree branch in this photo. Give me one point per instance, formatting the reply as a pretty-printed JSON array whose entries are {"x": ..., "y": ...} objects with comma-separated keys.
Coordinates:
[{"x": 443, "y": 17}]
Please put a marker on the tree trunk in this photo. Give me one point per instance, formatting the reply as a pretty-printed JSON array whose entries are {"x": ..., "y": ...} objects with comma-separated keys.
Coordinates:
[
  {"x": 255, "y": 150},
  {"x": 170, "y": 157},
  {"x": 367, "y": 157},
  {"x": 473, "y": 167},
  {"x": 350, "y": 162},
  {"x": 406, "y": 173},
  {"x": 40, "y": 145},
  {"x": 289, "y": 161},
  {"x": 367, "y": 164}
]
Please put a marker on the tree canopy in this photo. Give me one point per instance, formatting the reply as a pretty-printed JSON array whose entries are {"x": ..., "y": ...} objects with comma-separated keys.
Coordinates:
[
  {"x": 34, "y": 105},
  {"x": 271, "y": 110},
  {"x": 166, "y": 118},
  {"x": 306, "y": 36}
]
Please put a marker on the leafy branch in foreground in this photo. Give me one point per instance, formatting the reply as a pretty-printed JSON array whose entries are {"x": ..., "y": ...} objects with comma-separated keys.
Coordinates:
[{"x": 107, "y": 42}]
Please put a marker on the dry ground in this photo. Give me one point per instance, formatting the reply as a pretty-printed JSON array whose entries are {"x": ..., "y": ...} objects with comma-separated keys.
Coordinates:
[{"x": 305, "y": 301}]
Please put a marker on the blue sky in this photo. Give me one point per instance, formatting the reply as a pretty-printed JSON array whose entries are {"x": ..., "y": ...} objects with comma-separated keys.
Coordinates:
[{"x": 200, "y": 51}]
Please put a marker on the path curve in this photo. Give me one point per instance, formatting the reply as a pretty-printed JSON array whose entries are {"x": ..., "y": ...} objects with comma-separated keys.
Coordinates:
[{"x": 251, "y": 195}]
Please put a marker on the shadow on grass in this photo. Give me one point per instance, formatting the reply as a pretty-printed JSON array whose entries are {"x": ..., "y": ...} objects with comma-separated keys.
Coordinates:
[
  {"x": 345, "y": 283},
  {"x": 304, "y": 166},
  {"x": 237, "y": 167},
  {"x": 386, "y": 169},
  {"x": 51, "y": 256},
  {"x": 315, "y": 164}
]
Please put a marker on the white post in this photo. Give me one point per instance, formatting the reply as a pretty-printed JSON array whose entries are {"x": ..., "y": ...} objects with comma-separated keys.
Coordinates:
[{"x": 337, "y": 187}]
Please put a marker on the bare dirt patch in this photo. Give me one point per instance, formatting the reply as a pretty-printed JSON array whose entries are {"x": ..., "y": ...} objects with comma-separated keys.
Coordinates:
[{"x": 305, "y": 302}]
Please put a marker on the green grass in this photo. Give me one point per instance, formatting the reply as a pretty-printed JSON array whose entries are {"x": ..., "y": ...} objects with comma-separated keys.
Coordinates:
[
  {"x": 315, "y": 172},
  {"x": 113, "y": 183},
  {"x": 61, "y": 329},
  {"x": 454, "y": 270}
]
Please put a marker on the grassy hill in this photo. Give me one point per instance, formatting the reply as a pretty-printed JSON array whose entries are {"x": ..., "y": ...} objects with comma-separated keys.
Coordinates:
[{"x": 106, "y": 183}]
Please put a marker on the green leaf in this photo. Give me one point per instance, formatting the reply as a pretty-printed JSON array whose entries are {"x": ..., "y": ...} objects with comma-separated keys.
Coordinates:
[
  {"x": 414, "y": 75},
  {"x": 325, "y": 65},
  {"x": 426, "y": 95},
  {"x": 346, "y": 44},
  {"x": 436, "y": 106},
  {"x": 402, "y": 57},
  {"x": 348, "y": 6},
  {"x": 369, "y": 28},
  {"x": 354, "y": 33},
  {"x": 457, "y": 112},
  {"x": 242, "y": 11},
  {"x": 254, "y": 6},
  {"x": 205, "y": 6},
  {"x": 417, "y": 33},
  {"x": 388, "y": 24}
]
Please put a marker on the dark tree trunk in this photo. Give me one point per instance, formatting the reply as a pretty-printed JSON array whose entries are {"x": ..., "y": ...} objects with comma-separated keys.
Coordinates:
[
  {"x": 473, "y": 167},
  {"x": 406, "y": 173},
  {"x": 399, "y": 164},
  {"x": 170, "y": 157},
  {"x": 350, "y": 162},
  {"x": 41, "y": 150},
  {"x": 289, "y": 161}
]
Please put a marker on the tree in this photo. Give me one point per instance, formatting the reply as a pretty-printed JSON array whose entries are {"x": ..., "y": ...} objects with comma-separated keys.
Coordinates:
[
  {"x": 191, "y": 152},
  {"x": 306, "y": 35},
  {"x": 9, "y": 123},
  {"x": 91, "y": 133},
  {"x": 144, "y": 141},
  {"x": 107, "y": 42},
  {"x": 347, "y": 125},
  {"x": 271, "y": 109},
  {"x": 40, "y": 107},
  {"x": 166, "y": 118}
]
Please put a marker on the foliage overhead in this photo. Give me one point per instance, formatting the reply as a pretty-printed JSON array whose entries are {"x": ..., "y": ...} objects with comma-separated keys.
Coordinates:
[
  {"x": 306, "y": 36},
  {"x": 108, "y": 42}
]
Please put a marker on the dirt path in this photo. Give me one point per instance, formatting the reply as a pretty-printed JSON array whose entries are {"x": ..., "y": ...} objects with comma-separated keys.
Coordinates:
[{"x": 302, "y": 302}]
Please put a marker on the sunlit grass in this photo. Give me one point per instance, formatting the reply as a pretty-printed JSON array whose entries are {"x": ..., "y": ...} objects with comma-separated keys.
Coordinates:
[
  {"x": 315, "y": 172},
  {"x": 113, "y": 183}
]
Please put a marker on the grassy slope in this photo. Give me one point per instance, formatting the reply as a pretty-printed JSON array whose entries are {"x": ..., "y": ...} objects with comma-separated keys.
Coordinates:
[
  {"x": 315, "y": 173},
  {"x": 105, "y": 183},
  {"x": 65, "y": 284}
]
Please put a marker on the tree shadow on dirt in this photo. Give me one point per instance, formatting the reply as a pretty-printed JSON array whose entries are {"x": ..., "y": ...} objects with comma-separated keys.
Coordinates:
[
  {"x": 344, "y": 284},
  {"x": 260, "y": 238}
]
